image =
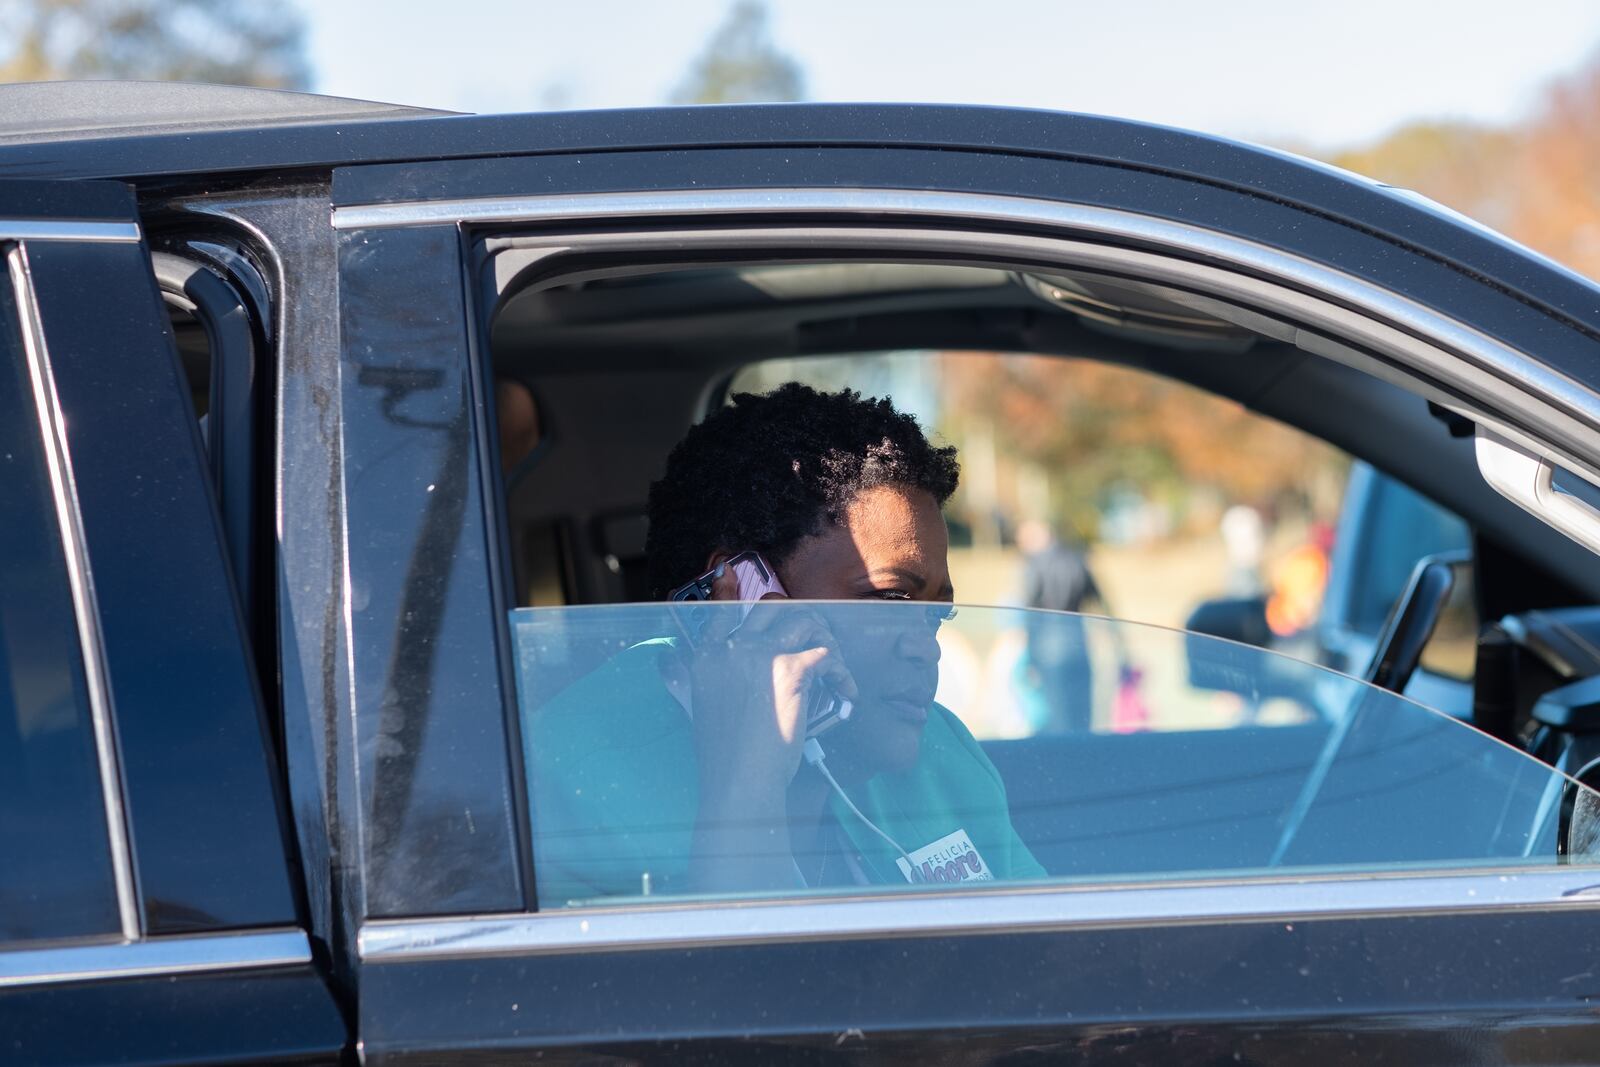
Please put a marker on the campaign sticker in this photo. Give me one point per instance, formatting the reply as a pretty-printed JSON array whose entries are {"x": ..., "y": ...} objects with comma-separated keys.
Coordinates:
[{"x": 952, "y": 858}]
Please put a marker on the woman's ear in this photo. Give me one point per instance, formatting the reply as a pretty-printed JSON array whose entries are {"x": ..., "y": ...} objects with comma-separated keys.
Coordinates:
[{"x": 718, "y": 557}]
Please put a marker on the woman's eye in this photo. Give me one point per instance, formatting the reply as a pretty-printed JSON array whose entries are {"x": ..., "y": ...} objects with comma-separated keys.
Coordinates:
[{"x": 937, "y": 615}]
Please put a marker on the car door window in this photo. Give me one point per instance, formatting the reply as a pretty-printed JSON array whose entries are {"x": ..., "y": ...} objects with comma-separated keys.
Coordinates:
[
  {"x": 141, "y": 832},
  {"x": 56, "y": 880},
  {"x": 1183, "y": 783}
]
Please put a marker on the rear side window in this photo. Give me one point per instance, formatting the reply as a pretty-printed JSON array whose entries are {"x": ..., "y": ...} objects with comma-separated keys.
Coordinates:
[{"x": 55, "y": 864}]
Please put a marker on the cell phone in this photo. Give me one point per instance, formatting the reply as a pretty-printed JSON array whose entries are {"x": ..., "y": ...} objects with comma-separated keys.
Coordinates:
[{"x": 756, "y": 580}]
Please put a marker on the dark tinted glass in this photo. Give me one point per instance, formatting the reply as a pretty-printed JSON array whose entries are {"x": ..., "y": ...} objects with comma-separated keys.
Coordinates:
[
  {"x": 55, "y": 865},
  {"x": 191, "y": 734}
]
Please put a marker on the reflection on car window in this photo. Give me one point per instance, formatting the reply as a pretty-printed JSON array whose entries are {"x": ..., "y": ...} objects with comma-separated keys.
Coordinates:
[
  {"x": 953, "y": 766},
  {"x": 55, "y": 859}
]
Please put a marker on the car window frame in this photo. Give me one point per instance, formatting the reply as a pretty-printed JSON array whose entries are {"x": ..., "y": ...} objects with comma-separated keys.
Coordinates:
[{"x": 1425, "y": 357}]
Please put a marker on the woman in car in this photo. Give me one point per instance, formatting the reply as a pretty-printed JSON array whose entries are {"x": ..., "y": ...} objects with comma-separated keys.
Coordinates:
[{"x": 682, "y": 766}]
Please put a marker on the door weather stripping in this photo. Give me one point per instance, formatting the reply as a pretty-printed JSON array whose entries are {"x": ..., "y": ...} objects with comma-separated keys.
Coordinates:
[
  {"x": 1528, "y": 480},
  {"x": 58, "y": 461},
  {"x": 155, "y": 956},
  {"x": 1001, "y": 911}
]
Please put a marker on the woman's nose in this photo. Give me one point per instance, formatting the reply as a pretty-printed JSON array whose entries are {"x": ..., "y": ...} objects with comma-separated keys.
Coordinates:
[{"x": 919, "y": 641}]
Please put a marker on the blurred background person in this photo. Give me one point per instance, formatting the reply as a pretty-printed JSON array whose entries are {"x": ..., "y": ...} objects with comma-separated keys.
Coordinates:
[
  {"x": 1056, "y": 577},
  {"x": 1244, "y": 538},
  {"x": 1298, "y": 581}
]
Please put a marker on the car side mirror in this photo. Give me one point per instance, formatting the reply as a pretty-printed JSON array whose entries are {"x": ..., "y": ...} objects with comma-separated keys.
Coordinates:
[
  {"x": 1412, "y": 620},
  {"x": 1224, "y": 668},
  {"x": 1241, "y": 619}
]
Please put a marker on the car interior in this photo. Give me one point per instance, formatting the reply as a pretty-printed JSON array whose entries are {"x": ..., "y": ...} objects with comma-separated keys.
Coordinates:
[{"x": 652, "y": 351}]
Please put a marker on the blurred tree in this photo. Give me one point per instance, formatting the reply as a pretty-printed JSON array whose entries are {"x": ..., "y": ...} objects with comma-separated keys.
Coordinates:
[
  {"x": 1093, "y": 426},
  {"x": 741, "y": 65},
  {"x": 1556, "y": 174},
  {"x": 233, "y": 42},
  {"x": 1535, "y": 181},
  {"x": 1460, "y": 165},
  {"x": 1041, "y": 437}
]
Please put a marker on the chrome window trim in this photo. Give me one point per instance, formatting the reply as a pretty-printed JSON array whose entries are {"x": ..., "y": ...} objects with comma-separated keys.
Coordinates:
[
  {"x": 58, "y": 460},
  {"x": 65, "y": 230},
  {"x": 1003, "y": 910},
  {"x": 1396, "y": 313},
  {"x": 188, "y": 954}
]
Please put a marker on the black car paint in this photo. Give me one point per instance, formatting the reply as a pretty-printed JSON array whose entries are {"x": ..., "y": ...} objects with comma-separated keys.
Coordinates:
[
  {"x": 284, "y": 228},
  {"x": 281, "y": 1016},
  {"x": 1439, "y": 988},
  {"x": 1287, "y": 991}
]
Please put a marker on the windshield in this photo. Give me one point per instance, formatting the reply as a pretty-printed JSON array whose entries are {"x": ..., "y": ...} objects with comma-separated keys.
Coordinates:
[{"x": 667, "y": 755}]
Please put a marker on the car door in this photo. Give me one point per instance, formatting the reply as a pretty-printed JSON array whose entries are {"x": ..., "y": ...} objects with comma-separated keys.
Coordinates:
[
  {"x": 152, "y": 912},
  {"x": 458, "y": 957}
]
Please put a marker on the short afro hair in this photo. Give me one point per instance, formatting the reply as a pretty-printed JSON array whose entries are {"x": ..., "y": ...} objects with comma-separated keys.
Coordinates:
[{"x": 769, "y": 470}]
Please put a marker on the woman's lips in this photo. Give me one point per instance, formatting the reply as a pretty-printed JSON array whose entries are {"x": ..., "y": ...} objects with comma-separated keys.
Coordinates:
[{"x": 912, "y": 710}]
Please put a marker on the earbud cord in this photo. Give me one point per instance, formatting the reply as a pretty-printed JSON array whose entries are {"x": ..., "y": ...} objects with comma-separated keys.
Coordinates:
[{"x": 814, "y": 756}]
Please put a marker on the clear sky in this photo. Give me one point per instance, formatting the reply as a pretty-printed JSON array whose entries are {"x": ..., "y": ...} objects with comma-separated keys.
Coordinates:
[{"x": 1330, "y": 74}]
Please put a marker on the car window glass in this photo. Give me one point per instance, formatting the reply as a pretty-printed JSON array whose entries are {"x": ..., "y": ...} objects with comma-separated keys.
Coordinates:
[
  {"x": 55, "y": 865},
  {"x": 968, "y": 756}
]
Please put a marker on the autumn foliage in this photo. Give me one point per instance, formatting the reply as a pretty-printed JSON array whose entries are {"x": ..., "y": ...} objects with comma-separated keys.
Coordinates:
[
  {"x": 1537, "y": 182},
  {"x": 1095, "y": 427}
]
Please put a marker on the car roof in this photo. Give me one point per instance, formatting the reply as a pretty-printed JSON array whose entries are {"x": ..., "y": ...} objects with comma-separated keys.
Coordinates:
[
  {"x": 254, "y": 132},
  {"x": 49, "y": 112}
]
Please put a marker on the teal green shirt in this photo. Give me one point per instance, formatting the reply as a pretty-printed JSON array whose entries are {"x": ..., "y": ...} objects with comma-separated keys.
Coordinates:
[{"x": 612, "y": 769}]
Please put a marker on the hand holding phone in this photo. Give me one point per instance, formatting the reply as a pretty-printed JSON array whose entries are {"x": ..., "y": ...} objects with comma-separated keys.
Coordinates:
[{"x": 753, "y": 580}]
